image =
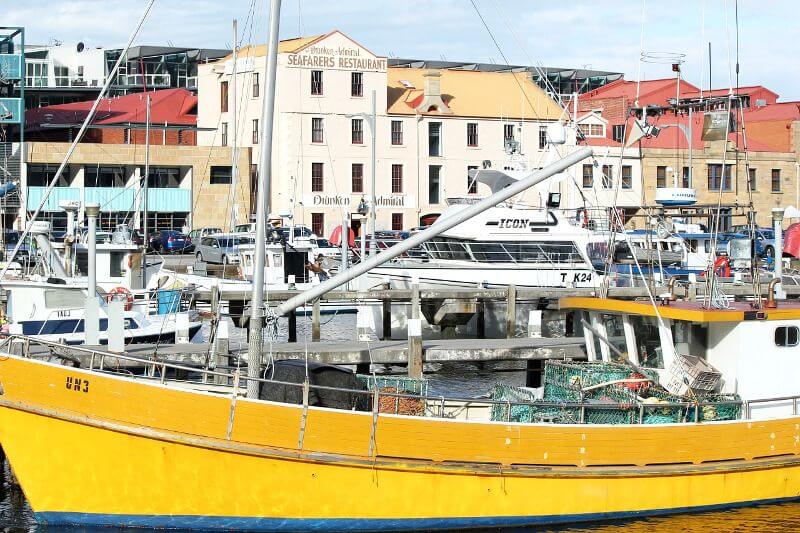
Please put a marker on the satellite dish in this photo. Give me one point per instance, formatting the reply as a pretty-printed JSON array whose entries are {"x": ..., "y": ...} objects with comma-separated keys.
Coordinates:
[{"x": 80, "y": 47}]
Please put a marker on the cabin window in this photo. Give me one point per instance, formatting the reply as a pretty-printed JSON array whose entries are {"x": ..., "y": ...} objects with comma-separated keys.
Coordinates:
[
  {"x": 64, "y": 299},
  {"x": 117, "y": 259},
  {"x": 648, "y": 341},
  {"x": 787, "y": 336},
  {"x": 615, "y": 335}
]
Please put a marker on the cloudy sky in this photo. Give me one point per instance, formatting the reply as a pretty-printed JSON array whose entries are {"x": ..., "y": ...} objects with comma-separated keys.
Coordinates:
[{"x": 599, "y": 34}]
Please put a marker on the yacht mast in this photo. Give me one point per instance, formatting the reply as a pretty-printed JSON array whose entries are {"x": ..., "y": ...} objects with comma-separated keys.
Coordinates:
[
  {"x": 234, "y": 154},
  {"x": 262, "y": 210},
  {"x": 145, "y": 238}
]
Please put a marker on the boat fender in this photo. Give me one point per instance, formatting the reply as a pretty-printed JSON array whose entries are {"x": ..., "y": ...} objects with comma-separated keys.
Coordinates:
[{"x": 125, "y": 293}]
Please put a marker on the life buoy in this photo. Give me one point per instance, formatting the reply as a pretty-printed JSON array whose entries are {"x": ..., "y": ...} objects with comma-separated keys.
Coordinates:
[
  {"x": 722, "y": 267},
  {"x": 113, "y": 293}
]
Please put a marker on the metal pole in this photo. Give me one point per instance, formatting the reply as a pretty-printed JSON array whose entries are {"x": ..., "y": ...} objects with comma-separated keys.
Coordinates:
[
  {"x": 691, "y": 181},
  {"x": 373, "y": 245},
  {"x": 441, "y": 226},
  {"x": 262, "y": 210},
  {"x": 345, "y": 242},
  {"x": 777, "y": 224},
  {"x": 91, "y": 316},
  {"x": 145, "y": 238},
  {"x": 77, "y": 139},
  {"x": 234, "y": 146}
]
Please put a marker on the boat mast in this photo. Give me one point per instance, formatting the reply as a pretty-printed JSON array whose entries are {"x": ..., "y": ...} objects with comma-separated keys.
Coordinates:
[
  {"x": 234, "y": 154},
  {"x": 145, "y": 239},
  {"x": 262, "y": 209}
]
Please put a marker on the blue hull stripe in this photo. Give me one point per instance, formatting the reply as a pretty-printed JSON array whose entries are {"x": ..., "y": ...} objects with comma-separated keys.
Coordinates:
[{"x": 211, "y": 523}]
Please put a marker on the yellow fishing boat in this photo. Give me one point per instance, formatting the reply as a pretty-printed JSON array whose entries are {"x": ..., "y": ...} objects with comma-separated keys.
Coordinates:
[{"x": 96, "y": 448}]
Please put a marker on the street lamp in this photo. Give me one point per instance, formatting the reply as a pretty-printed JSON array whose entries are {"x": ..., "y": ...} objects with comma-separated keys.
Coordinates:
[{"x": 370, "y": 119}]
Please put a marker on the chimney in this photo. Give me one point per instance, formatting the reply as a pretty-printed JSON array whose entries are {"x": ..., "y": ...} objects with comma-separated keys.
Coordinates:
[{"x": 432, "y": 95}]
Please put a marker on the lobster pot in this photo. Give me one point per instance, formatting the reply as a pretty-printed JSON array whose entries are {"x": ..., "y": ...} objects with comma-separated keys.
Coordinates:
[
  {"x": 522, "y": 406},
  {"x": 724, "y": 407},
  {"x": 397, "y": 385},
  {"x": 689, "y": 372},
  {"x": 563, "y": 380}
]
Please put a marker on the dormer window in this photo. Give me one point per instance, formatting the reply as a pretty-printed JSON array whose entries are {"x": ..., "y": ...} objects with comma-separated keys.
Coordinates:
[{"x": 592, "y": 130}]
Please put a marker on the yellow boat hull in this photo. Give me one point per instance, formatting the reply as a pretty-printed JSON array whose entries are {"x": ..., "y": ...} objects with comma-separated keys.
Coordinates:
[{"x": 114, "y": 451}]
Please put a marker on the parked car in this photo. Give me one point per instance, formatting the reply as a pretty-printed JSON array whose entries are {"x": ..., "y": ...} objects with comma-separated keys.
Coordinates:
[
  {"x": 765, "y": 240},
  {"x": 199, "y": 233},
  {"x": 223, "y": 249},
  {"x": 170, "y": 241},
  {"x": 250, "y": 227}
]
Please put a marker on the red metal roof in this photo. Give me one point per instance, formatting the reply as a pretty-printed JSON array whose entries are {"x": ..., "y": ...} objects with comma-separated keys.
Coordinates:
[
  {"x": 650, "y": 91},
  {"x": 170, "y": 106},
  {"x": 748, "y": 89}
]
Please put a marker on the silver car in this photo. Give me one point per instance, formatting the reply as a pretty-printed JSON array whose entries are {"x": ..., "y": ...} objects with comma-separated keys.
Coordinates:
[{"x": 222, "y": 249}]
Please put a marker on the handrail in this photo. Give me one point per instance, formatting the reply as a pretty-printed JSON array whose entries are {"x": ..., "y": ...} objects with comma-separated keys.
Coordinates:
[{"x": 162, "y": 366}]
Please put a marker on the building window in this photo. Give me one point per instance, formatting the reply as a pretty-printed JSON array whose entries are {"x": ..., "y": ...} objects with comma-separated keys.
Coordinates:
[
  {"x": 472, "y": 183},
  {"x": 316, "y": 130},
  {"x": 256, "y": 86},
  {"x": 220, "y": 176},
  {"x": 397, "y": 132},
  {"x": 397, "y": 221},
  {"x": 542, "y": 137},
  {"x": 357, "y": 130},
  {"x": 752, "y": 183},
  {"x": 224, "y": 134},
  {"x": 223, "y": 97},
  {"x": 126, "y": 136},
  {"x": 715, "y": 179},
  {"x": 316, "y": 82},
  {"x": 618, "y": 132},
  {"x": 776, "y": 180},
  {"x": 661, "y": 177},
  {"x": 357, "y": 84},
  {"x": 318, "y": 223},
  {"x": 316, "y": 177},
  {"x": 608, "y": 177},
  {"x": 627, "y": 177},
  {"x": 787, "y": 336},
  {"x": 357, "y": 174},
  {"x": 592, "y": 130},
  {"x": 472, "y": 134},
  {"x": 588, "y": 176},
  {"x": 435, "y": 139},
  {"x": 255, "y": 131},
  {"x": 42, "y": 175},
  {"x": 397, "y": 179},
  {"x": 164, "y": 177},
  {"x": 253, "y": 188},
  {"x": 508, "y": 132},
  {"x": 434, "y": 175},
  {"x": 687, "y": 179},
  {"x": 104, "y": 176}
]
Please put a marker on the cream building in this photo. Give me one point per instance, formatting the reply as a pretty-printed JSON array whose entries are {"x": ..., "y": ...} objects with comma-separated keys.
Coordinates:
[{"x": 432, "y": 127}]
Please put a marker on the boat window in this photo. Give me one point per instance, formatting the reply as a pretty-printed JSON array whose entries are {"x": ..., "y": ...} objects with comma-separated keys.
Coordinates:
[
  {"x": 615, "y": 335},
  {"x": 648, "y": 341},
  {"x": 787, "y": 336},
  {"x": 117, "y": 259},
  {"x": 64, "y": 299},
  {"x": 504, "y": 252},
  {"x": 707, "y": 244}
]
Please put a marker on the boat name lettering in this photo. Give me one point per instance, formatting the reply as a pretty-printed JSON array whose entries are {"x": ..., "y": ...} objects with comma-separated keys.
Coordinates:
[
  {"x": 578, "y": 277},
  {"x": 77, "y": 384},
  {"x": 514, "y": 223}
]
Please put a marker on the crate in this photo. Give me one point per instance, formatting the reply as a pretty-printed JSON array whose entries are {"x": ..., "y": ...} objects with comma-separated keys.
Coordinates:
[{"x": 689, "y": 372}]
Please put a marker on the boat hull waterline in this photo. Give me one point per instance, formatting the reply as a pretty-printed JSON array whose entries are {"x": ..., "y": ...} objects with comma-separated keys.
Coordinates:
[{"x": 122, "y": 452}]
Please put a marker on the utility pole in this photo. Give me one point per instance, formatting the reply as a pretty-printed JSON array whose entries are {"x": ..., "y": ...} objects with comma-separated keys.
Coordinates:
[{"x": 145, "y": 237}]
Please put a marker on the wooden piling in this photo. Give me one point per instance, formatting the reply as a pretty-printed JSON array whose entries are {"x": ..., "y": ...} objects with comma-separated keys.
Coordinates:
[
  {"x": 387, "y": 320},
  {"x": 315, "y": 322},
  {"x": 415, "y": 348},
  {"x": 511, "y": 312},
  {"x": 415, "y": 300},
  {"x": 293, "y": 326}
]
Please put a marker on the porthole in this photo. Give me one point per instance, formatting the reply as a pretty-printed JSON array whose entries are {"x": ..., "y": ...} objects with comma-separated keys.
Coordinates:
[{"x": 787, "y": 336}]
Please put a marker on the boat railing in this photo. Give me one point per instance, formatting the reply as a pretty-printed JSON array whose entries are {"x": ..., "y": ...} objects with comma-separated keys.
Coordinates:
[
  {"x": 403, "y": 403},
  {"x": 748, "y": 404}
]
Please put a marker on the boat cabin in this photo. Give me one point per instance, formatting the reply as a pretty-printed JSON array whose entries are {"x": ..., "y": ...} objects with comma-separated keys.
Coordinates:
[{"x": 754, "y": 353}]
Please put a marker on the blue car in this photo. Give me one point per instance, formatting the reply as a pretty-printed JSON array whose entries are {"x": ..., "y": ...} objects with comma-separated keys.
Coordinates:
[
  {"x": 170, "y": 242},
  {"x": 765, "y": 240}
]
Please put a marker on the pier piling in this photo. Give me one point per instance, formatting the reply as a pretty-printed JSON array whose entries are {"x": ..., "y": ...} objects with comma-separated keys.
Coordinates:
[
  {"x": 511, "y": 312},
  {"x": 315, "y": 322}
]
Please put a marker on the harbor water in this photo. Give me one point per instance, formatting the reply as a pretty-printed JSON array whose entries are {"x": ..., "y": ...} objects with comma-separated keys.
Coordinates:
[{"x": 465, "y": 380}]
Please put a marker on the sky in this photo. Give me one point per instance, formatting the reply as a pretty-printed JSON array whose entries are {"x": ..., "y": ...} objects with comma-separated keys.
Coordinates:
[{"x": 598, "y": 34}]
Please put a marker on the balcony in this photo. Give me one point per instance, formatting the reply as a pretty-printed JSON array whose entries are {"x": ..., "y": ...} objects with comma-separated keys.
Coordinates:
[
  {"x": 169, "y": 200},
  {"x": 113, "y": 198},
  {"x": 151, "y": 81}
]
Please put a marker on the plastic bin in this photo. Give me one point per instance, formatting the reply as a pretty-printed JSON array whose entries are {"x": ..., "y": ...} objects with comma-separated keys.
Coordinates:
[{"x": 169, "y": 301}]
